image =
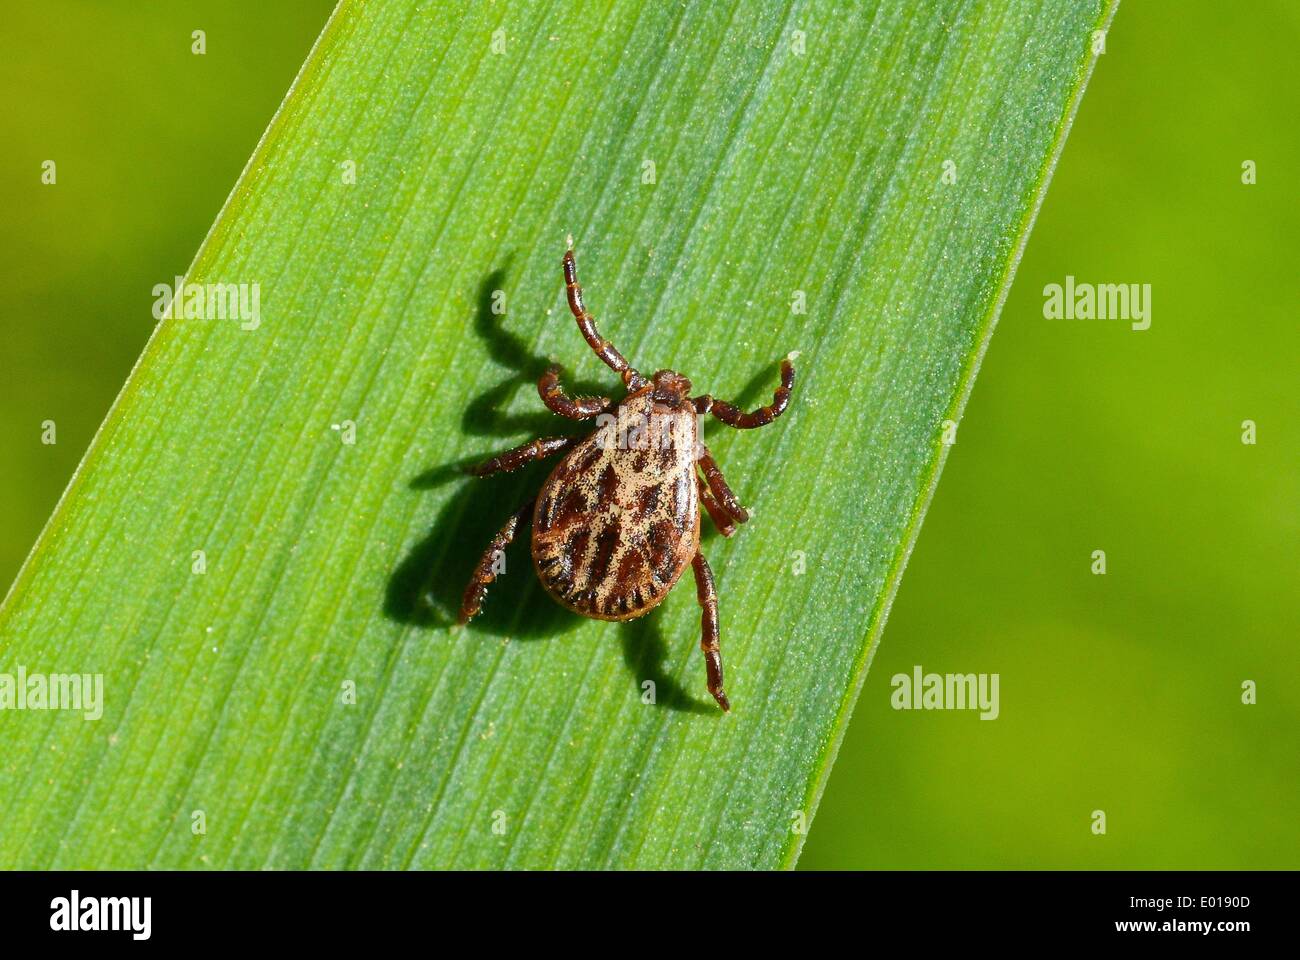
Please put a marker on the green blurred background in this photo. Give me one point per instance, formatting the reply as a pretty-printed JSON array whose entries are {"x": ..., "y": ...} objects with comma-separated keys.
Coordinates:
[{"x": 1119, "y": 692}]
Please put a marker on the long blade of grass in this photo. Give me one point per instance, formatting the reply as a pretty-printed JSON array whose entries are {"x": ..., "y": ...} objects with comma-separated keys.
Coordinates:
[{"x": 265, "y": 543}]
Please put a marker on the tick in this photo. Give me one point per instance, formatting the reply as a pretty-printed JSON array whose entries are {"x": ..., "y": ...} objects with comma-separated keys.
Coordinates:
[{"x": 618, "y": 520}]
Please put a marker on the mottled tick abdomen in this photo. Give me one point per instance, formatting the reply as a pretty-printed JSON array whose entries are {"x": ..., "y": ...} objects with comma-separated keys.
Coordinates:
[{"x": 618, "y": 520}]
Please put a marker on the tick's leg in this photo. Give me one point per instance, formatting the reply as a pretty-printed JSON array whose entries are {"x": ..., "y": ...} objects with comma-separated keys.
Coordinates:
[
  {"x": 587, "y": 324},
  {"x": 708, "y": 597},
  {"x": 516, "y": 458},
  {"x": 719, "y": 487},
  {"x": 486, "y": 572},
  {"x": 721, "y": 519},
  {"x": 575, "y": 408},
  {"x": 733, "y": 416}
]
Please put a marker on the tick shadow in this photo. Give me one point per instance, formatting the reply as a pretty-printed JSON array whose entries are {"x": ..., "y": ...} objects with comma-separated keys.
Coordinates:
[
  {"x": 426, "y": 588},
  {"x": 483, "y": 416},
  {"x": 644, "y": 653}
]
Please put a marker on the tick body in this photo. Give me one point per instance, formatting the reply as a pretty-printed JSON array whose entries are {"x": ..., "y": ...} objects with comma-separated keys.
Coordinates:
[{"x": 617, "y": 522}]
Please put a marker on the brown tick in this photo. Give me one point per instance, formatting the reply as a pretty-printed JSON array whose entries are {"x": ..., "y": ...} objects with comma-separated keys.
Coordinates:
[{"x": 618, "y": 520}]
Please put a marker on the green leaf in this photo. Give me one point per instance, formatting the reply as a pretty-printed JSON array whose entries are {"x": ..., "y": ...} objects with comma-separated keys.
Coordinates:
[{"x": 801, "y": 154}]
